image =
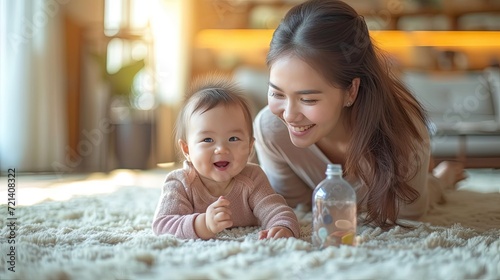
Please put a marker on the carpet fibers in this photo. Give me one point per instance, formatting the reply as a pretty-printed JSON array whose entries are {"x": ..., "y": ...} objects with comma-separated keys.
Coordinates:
[{"x": 108, "y": 236}]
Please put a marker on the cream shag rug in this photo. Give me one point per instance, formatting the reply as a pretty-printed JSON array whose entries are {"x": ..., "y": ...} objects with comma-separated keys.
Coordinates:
[{"x": 108, "y": 236}]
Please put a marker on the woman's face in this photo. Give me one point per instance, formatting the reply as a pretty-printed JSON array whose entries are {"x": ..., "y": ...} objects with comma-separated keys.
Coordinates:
[{"x": 305, "y": 101}]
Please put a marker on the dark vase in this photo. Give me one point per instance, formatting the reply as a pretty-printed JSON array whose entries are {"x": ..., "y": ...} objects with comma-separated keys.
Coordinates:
[{"x": 133, "y": 144}]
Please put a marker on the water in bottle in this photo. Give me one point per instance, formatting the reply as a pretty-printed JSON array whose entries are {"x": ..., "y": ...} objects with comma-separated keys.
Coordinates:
[{"x": 334, "y": 210}]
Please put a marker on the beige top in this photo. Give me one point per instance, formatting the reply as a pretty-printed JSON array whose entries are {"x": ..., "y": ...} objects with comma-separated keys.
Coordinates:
[
  {"x": 295, "y": 172},
  {"x": 253, "y": 203}
]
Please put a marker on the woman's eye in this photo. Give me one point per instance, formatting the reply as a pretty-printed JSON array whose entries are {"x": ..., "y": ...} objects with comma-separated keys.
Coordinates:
[
  {"x": 234, "y": 138},
  {"x": 309, "y": 101},
  {"x": 207, "y": 140},
  {"x": 275, "y": 94}
]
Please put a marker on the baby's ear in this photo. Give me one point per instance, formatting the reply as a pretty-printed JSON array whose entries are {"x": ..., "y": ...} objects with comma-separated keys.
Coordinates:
[{"x": 184, "y": 148}]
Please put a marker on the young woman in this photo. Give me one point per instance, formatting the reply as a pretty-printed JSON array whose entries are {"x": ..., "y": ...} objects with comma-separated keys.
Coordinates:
[
  {"x": 217, "y": 188},
  {"x": 333, "y": 100}
]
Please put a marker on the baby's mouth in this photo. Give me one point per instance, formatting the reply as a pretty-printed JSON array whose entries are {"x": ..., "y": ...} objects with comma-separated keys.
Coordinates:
[{"x": 221, "y": 164}]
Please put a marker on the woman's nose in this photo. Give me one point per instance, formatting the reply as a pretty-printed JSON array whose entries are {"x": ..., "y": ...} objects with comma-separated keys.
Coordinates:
[{"x": 290, "y": 113}]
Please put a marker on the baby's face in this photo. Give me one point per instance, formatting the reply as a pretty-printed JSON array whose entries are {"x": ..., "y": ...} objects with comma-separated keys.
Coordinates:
[{"x": 219, "y": 142}]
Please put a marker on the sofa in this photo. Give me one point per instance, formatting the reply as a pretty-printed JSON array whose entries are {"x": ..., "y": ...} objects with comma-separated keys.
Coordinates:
[{"x": 464, "y": 113}]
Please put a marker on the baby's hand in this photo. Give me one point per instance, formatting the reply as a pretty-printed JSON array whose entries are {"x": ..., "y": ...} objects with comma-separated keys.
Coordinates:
[
  {"x": 218, "y": 216},
  {"x": 276, "y": 232}
]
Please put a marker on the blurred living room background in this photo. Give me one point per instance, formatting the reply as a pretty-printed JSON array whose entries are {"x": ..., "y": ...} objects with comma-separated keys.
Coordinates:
[{"x": 95, "y": 85}]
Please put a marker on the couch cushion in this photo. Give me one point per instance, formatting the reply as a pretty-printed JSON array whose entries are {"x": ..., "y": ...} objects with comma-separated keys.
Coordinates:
[
  {"x": 492, "y": 75},
  {"x": 451, "y": 98}
]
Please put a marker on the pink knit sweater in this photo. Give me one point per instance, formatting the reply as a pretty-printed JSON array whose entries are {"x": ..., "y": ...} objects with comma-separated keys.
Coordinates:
[{"x": 253, "y": 203}]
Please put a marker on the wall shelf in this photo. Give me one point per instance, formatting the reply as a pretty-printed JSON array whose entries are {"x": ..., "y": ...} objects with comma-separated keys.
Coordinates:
[{"x": 229, "y": 33}]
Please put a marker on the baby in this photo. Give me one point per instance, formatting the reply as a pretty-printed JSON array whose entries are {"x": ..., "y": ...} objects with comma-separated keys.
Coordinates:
[{"x": 218, "y": 188}]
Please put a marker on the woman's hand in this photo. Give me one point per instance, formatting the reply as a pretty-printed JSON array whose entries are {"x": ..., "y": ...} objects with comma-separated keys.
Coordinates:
[
  {"x": 218, "y": 216},
  {"x": 276, "y": 232}
]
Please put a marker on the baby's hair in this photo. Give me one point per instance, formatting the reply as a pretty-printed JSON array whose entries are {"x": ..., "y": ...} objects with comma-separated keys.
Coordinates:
[{"x": 206, "y": 93}]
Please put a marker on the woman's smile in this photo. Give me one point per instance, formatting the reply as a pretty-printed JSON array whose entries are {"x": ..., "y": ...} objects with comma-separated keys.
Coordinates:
[
  {"x": 297, "y": 129},
  {"x": 300, "y": 128},
  {"x": 300, "y": 131}
]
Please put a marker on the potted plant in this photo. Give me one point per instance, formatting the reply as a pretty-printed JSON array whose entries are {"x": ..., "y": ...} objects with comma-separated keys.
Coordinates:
[{"x": 133, "y": 124}]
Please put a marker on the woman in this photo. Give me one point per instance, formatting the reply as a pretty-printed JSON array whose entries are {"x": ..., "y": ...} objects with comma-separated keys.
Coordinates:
[{"x": 332, "y": 100}]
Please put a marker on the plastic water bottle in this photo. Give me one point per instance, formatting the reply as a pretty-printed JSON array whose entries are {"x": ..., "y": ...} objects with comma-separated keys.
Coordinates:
[{"x": 334, "y": 210}]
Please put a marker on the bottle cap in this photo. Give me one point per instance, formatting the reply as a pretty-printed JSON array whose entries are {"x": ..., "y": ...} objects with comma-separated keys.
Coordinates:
[{"x": 333, "y": 169}]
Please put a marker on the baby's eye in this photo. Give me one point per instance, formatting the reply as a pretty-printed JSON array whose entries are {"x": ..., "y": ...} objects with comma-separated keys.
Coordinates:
[
  {"x": 234, "y": 138},
  {"x": 207, "y": 140}
]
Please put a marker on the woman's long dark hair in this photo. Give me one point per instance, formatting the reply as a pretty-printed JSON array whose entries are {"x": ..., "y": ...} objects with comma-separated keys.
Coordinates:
[{"x": 332, "y": 38}]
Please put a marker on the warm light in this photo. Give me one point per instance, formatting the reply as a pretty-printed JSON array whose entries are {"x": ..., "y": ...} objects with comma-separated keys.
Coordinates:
[
  {"x": 139, "y": 50},
  {"x": 65, "y": 191},
  {"x": 112, "y": 17},
  {"x": 247, "y": 39},
  {"x": 406, "y": 48},
  {"x": 436, "y": 38},
  {"x": 96, "y": 183},
  {"x": 114, "y": 59},
  {"x": 391, "y": 39},
  {"x": 140, "y": 13},
  {"x": 130, "y": 15},
  {"x": 169, "y": 51},
  {"x": 234, "y": 39}
]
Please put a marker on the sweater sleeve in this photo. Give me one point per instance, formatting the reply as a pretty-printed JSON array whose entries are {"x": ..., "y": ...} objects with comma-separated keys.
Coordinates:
[
  {"x": 269, "y": 207},
  {"x": 174, "y": 213}
]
